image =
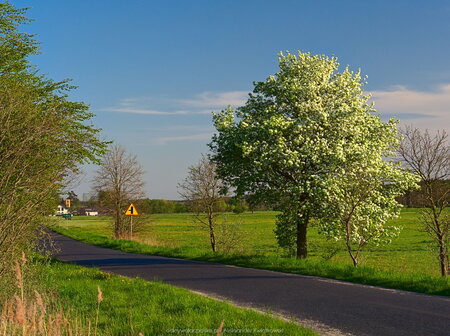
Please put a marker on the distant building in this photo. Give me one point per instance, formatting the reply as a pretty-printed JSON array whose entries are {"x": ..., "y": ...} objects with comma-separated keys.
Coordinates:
[
  {"x": 91, "y": 212},
  {"x": 61, "y": 210}
]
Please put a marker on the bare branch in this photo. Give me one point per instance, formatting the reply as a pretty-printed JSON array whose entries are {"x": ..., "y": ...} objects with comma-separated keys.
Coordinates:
[
  {"x": 202, "y": 190},
  {"x": 119, "y": 180},
  {"x": 429, "y": 156}
]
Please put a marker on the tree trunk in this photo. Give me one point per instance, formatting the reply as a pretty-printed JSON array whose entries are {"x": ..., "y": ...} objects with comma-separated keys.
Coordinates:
[
  {"x": 443, "y": 258},
  {"x": 212, "y": 236},
  {"x": 354, "y": 257},
  {"x": 302, "y": 247},
  {"x": 408, "y": 199},
  {"x": 348, "y": 242},
  {"x": 118, "y": 223},
  {"x": 212, "y": 239},
  {"x": 116, "y": 228}
]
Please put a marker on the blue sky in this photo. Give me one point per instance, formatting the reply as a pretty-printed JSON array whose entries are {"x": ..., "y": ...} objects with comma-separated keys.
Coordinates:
[{"x": 153, "y": 70}]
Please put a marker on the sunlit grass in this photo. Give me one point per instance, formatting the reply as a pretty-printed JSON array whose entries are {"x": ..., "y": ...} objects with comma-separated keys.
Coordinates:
[
  {"x": 406, "y": 263},
  {"x": 133, "y": 306}
]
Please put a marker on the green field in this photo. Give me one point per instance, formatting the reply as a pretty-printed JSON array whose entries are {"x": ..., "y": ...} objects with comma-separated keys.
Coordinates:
[{"x": 406, "y": 263}]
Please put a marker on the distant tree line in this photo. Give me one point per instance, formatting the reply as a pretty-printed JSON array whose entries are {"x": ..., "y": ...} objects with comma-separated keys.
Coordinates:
[
  {"x": 411, "y": 199},
  {"x": 157, "y": 206},
  {"x": 418, "y": 199},
  {"x": 224, "y": 204}
]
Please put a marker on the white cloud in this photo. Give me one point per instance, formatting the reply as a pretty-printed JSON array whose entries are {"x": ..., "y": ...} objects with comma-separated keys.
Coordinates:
[
  {"x": 217, "y": 99},
  {"x": 202, "y": 103},
  {"x": 142, "y": 111},
  {"x": 192, "y": 137},
  {"x": 422, "y": 109},
  {"x": 193, "y": 128}
]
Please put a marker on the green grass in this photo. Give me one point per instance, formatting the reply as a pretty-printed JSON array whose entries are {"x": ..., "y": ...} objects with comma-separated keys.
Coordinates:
[
  {"x": 407, "y": 263},
  {"x": 131, "y": 306}
]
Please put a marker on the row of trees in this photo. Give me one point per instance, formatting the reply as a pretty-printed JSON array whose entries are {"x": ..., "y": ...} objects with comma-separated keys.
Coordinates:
[
  {"x": 413, "y": 199},
  {"x": 44, "y": 137},
  {"x": 416, "y": 198},
  {"x": 149, "y": 206},
  {"x": 157, "y": 206},
  {"x": 223, "y": 204}
]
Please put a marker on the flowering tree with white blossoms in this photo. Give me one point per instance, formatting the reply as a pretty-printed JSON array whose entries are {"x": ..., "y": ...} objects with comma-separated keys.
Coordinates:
[
  {"x": 296, "y": 137},
  {"x": 362, "y": 200}
]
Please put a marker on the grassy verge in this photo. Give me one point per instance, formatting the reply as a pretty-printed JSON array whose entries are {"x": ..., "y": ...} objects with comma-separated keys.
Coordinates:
[
  {"x": 364, "y": 274},
  {"x": 133, "y": 306}
]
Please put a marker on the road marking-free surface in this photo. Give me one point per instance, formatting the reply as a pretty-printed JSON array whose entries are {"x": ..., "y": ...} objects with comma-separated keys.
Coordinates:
[{"x": 336, "y": 305}]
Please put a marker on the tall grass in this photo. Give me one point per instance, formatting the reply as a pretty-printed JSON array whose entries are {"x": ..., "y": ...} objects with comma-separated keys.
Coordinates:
[{"x": 31, "y": 314}]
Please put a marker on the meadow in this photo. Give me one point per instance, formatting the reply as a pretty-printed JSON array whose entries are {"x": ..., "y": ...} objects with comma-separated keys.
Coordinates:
[{"x": 407, "y": 263}]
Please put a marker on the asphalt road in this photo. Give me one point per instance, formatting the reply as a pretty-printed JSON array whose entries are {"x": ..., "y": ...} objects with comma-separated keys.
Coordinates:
[{"x": 329, "y": 306}]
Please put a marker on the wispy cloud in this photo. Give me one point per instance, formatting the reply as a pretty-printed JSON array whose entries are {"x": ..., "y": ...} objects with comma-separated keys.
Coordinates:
[
  {"x": 202, "y": 103},
  {"x": 217, "y": 99},
  {"x": 192, "y": 137},
  {"x": 142, "y": 111},
  {"x": 422, "y": 109},
  {"x": 192, "y": 128}
]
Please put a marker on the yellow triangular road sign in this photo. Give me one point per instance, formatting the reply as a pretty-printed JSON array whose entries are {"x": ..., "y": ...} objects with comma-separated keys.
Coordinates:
[{"x": 131, "y": 211}]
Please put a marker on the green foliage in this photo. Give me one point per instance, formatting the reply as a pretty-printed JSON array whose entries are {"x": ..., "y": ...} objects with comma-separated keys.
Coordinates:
[
  {"x": 15, "y": 46},
  {"x": 220, "y": 205},
  {"x": 153, "y": 206},
  {"x": 286, "y": 232},
  {"x": 44, "y": 137},
  {"x": 231, "y": 237},
  {"x": 363, "y": 199},
  {"x": 300, "y": 131},
  {"x": 159, "y": 206},
  {"x": 237, "y": 205}
]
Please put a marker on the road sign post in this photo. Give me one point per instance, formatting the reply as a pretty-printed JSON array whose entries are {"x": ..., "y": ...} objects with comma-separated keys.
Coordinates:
[{"x": 131, "y": 211}]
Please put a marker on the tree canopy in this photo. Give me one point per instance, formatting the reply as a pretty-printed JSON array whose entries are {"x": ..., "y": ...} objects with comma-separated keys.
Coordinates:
[{"x": 298, "y": 131}]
